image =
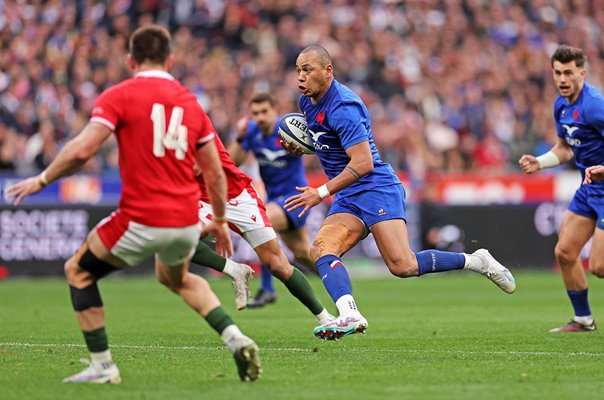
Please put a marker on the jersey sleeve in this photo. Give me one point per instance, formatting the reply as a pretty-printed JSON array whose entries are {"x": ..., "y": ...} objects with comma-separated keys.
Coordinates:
[
  {"x": 349, "y": 122},
  {"x": 207, "y": 132},
  {"x": 107, "y": 109},
  {"x": 594, "y": 114}
]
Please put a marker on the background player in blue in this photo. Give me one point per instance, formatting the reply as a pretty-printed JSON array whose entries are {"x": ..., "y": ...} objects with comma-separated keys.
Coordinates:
[
  {"x": 368, "y": 197},
  {"x": 281, "y": 173},
  {"x": 579, "y": 115}
]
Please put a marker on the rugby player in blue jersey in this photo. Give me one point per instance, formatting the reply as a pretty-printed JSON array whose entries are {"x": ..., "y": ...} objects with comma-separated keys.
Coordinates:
[
  {"x": 281, "y": 173},
  {"x": 369, "y": 197},
  {"x": 579, "y": 115}
]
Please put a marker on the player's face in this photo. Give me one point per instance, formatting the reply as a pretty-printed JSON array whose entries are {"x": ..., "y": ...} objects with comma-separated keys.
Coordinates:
[
  {"x": 568, "y": 79},
  {"x": 265, "y": 116},
  {"x": 313, "y": 77}
]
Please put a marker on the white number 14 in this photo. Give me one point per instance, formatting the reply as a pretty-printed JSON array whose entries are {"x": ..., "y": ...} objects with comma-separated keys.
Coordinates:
[{"x": 174, "y": 138}]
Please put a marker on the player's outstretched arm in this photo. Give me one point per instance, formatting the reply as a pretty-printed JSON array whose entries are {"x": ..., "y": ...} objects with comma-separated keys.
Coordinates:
[
  {"x": 235, "y": 149},
  {"x": 208, "y": 159},
  {"x": 69, "y": 160},
  {"x": 593, "y": 173},
  {"x": 559, "y": 154}
]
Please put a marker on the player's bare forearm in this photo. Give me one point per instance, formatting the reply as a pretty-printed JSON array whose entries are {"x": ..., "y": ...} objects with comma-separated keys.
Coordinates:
[
  {"x": 563, "y": 151},
  {"x": 77, "y": 151},
  {"x": 216, "y": 186},
  {"x": 360, "y": 164},
  {"x": 236, "y": 152},
  {"x": 69, "y": 160},
  {"x": 560, "y": 153}
]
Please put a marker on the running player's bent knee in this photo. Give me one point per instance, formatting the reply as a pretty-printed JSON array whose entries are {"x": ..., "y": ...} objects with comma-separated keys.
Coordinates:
[
  {"x": 85, "y": 298},
  {"x": 96, "y": 267},
  {"x": 332, "y": 239}
]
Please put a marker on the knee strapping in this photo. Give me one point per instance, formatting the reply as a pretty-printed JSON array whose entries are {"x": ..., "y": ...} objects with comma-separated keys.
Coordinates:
[
  {"x": 83, "y": 299},
  {"x": 333, "y": 239},
  {"x": 98, "y": 268}
]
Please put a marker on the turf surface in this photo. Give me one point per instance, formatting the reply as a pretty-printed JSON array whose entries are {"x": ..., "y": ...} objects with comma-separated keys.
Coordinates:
[{"x": 452, "y": 336}]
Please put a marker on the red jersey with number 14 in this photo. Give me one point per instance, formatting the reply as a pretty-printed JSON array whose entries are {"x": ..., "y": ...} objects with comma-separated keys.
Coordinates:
[{"x": 157, "y": 123}]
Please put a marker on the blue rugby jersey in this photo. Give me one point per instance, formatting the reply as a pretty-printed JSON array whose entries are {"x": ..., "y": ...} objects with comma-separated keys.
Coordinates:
[
  {"x": 338, "y": 121},
  {"x": 279, "y": 171},
  {"x": 581, "y": 125}
]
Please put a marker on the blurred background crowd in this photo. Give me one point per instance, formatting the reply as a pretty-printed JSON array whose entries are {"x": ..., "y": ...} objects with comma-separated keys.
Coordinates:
[{"x": 451, "y": 85}]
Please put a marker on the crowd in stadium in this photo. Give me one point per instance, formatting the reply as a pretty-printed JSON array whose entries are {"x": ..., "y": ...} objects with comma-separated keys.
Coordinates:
[{"x": 451, "y": 85}]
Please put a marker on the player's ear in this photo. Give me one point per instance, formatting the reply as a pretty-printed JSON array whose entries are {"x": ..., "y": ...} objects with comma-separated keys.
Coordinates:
[
  {"x": 169, "y": 62},
  {"x": 131, "y": 62},
  {"x": 329, "y": 70}
]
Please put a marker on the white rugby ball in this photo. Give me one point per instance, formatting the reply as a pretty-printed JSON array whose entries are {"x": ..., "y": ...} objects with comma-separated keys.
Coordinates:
[{"x": 294, "y": 129}]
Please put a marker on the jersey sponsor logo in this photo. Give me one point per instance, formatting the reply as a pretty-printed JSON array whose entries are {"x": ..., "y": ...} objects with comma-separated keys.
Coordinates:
[
  {"x": 573, "y": 142},
  {"x": 381, "y": 212},
  {"x": 570, "y": 129},
  {"x": 272, "y": 155},
  {"x": 315, "y": 139}
]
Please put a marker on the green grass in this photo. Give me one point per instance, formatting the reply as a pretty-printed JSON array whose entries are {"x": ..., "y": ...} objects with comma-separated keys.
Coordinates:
[{"x": 452, "y": 336}]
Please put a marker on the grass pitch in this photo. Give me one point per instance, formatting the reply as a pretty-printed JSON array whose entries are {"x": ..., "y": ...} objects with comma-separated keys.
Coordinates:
[{"x": 451, "y": 336}]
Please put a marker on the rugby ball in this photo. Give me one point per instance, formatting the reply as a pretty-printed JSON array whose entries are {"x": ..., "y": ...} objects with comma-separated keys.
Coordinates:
[{"x": 293, "y": 129}]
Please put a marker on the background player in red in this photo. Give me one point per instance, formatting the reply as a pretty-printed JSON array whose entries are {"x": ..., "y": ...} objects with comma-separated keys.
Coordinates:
[
  {"x": 281, "y": 172},
  {"x": 161, "y": 131},
  {"x": 247, "y": 216}
]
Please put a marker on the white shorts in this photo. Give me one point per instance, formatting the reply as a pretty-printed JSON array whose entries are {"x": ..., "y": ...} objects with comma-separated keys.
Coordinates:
[
  {"x": 133, "y": 242},
  {"x": 246, "y": 215}
]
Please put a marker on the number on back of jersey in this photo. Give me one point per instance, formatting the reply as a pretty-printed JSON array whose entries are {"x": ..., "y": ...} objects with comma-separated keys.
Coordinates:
[{"x": 173, "y": 138}]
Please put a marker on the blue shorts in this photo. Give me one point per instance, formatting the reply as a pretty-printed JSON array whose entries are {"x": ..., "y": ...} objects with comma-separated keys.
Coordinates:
[
  {"x": 373, "y": 205},
  {"x": 588, "y": 206},
  {"x": 295, "y": 222}
]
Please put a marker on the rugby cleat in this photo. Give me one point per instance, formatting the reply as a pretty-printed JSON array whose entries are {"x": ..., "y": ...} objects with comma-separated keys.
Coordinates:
[
  {"x": 340, "y": 327},
  {"x": 262, "y": 298},
  {"x": 574, "y": 326},
  {"x": 247, "y": 359},
  {"x": 241, "y": 280},
  {"x": 492, "y": 269},
  {"x": 95, "y": 373}
]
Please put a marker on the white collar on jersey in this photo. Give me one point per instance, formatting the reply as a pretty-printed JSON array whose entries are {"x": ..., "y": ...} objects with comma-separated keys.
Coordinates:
[{"x": 154, "y": 73}]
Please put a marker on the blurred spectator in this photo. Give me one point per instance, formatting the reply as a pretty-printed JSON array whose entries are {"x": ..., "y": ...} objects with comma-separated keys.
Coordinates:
[{"x": 451, "y": 85}]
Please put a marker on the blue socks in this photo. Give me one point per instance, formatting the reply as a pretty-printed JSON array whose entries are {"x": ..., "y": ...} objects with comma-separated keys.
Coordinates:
[
  {"x": 334, "y": 276},
  {"x": 579, "y": 300},
  {"x": 431, "y": 261},
  {"x": 266, "y": 280}
]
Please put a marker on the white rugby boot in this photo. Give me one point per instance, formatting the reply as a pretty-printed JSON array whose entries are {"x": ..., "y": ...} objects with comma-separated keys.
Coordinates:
[
  {"x": 241, "y": 279},
  {"x": 96, "y": 373},
  {"x": 340, "y": 327},
  {"x": 245, "y": 353},
  {"x": 492, "y": 269}
]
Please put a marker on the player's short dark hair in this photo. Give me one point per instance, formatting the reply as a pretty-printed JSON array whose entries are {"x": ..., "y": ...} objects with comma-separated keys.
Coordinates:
[
  {"x": 322, "y": 53},
  {"x": 261, "y": 98},
  {"x": 151, "y": 44},
  {"x": 566, "y": 54}
]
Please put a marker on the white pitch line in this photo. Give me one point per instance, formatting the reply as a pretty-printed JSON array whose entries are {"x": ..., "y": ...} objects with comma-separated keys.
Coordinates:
[{"x": 295, "y": 349}]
